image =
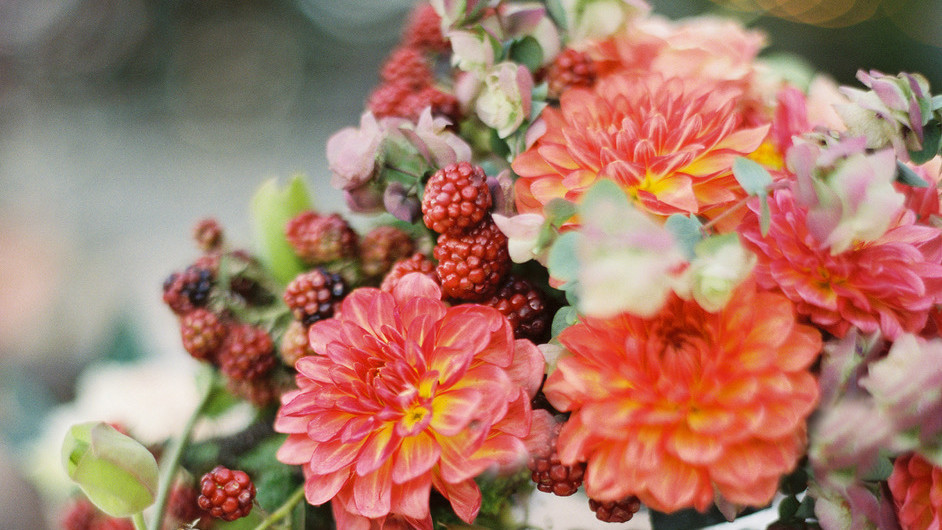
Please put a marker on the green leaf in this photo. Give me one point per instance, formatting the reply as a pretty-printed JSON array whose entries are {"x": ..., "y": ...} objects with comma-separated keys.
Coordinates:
[
  {"x": 788, "y": 507},
  {"x": 881, "y": 469},
  {"x": 937, "y": 102},
  {"x": 558, "y": 13},
  {"x": 565, "y": 317},
  {"x": 558, "y": 211},
  {"x": 806, "y": 508},
  {"x": 528, "y": 52},
  {"x": 931, "y": 141},
  {"x": 116, "y": 472},
  {"x": 765, "y": 217},
  {"x": 686, "y": 231},
  {"x": 562, "y": 262},
  {"x": 906, "y": 175},
  {"x": 753, "y": 178},
  {"x": 271, "y": 209},
  {"x": 604, "y": 194}
]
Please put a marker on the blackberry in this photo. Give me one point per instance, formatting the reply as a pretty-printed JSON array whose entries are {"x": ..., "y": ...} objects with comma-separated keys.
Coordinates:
[
  {"x": 294, "y": 343},
  {"x": 550, "y": 475},
  {"x": 525, "y": 307},
  {"x": 418, "y": 262},
  {"x": 208, "y": 234},
  {"x": 570, "y": 69},
  {"x": 183, "y": 505},
  {"x": 387, "y": 99},
  {"x": 456, "y": 199},
  {"x": 260, "y": 392},
  {"x": 79, "y": 515},
  {"x": 472, "y": 266},
  {"x": 203, "y": 333},
  {"x": 314, "y": 295},
  {"x": 424, "y": 30},
  {"x": 319, "y": 239},
  {"x": 408, "y": 66},
  {"x": 381, "y": 247},
  {"x": 444, "y": 104},
  {"x": 226, "y": 494},
  {"x": 247, "y": 353},
  {"x": 183, "y": 291},
  {"x": 615, "y": 511}
]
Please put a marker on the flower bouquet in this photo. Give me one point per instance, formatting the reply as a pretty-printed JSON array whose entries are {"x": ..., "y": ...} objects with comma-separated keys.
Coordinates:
[{"x": 605, "y": 254}]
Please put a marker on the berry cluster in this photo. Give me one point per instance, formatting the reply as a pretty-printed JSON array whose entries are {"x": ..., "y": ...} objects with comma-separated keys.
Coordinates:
[
  {"x": 408, "y": 81},
  {"x": 570, "y": 69},
  {"x": 550, "y": 475},
  {"x": 81, "y": 514},
  {"x": 615, "y": 511},
  {"x": 226, "y": 494}
]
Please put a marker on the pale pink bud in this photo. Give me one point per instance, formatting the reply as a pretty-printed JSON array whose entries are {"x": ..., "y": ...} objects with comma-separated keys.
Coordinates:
[
  {"x": 352, "y": 153},
  {"x": 505, "y": 101}
]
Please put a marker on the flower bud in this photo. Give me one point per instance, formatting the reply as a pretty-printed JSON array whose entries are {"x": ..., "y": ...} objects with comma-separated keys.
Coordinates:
[
  {"x": 473, "y": 51},
  {"x": 505, "y": 101},
  {"x": 352, "y": 153},
  {"x": 720, "y": 265},
  {"x": 116, "y": 472},
  {"x": 597, "y": 19}
]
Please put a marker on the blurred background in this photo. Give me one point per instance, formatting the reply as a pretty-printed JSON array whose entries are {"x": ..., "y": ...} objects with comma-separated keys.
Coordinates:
[{"x": 123, "y": 122}]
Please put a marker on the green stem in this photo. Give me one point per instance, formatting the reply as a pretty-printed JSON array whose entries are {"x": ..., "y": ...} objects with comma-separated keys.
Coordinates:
[
  {"x": 283, "y": 510},
  {"x": 138, "y": 520},
  {"x": 172, "y": 462}
]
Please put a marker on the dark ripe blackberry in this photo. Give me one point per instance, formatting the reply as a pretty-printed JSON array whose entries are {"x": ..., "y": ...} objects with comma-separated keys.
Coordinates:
[
  {"x": 550, "y": 475},
  {"x": 525, "y": 307},
  {"x": 226, "y": 494},
  {"x": 247, "y": 353},
  {"x": 615, "y": 511},
  {"x": 186, "y": 290},
  {"x": 314, "y": 295}
]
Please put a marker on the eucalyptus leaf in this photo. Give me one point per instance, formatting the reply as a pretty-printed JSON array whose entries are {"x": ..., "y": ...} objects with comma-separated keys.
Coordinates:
[
  {"x": 906, "y": 175},
  {"x": 563, "y": 262},
  {"x": 753, "y": 178},
  {"x": 558, "y": 14},
  {"x": 557, "y": 211},
  {"x": 687, "y": 231},
  {"x": 565, "y": 317},
  {"x": 931, "y": 140},
  {"x": 528, "y": 52},
  {"x": 765, "y": 217}
]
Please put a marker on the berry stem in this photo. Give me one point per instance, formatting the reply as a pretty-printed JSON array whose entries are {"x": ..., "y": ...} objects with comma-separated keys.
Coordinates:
[
  {"x": 172, "y": 463},
  {"x": 138, "y": 520},
  {"x": 283, "y": 510}
]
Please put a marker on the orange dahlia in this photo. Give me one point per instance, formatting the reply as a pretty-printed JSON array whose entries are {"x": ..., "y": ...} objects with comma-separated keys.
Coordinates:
[
  {"x": 407, "y": 394},
  {"x": 916, "y": 486},
  {"x": 669, "y": 142},
  {"x": 679, "y": 407},
  {"x": 890, "y": 284}
]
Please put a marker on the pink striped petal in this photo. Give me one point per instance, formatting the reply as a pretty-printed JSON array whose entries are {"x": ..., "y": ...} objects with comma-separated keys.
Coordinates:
[
  {"x": 452, "y": 410},
  {"x": 377, "y": 449},
  {"x": 319, "y": 489},
  {"x": 372, "y": 492},
  {"x": 416, "y": 455}
]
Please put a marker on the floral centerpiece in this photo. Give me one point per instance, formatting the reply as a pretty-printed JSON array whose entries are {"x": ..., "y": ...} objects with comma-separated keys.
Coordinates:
[{"x": 607, "y": 253}]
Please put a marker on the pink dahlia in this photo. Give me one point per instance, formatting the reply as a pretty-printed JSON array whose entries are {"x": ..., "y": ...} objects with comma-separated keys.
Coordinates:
[
  {"x": 889, "y": 284},
  {"x": 684, "y": 405},
  {"x": 670, "y": 143},
  {"x": 917, "y": 491},
  {"x": 407, "y": 394}
]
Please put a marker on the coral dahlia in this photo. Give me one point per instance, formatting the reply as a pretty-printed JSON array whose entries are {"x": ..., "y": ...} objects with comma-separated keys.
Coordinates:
[
  {"x": 668, "y": 142},
  {"x": 405, "y": 395},
  {"x": 677, "y": 408},
  {"x": 917, "y": 492},
  {"x": 889, "y": 284}
]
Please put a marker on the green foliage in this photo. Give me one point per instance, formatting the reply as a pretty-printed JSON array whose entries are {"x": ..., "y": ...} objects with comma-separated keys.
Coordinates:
[
  {"x": 274, "y": 481},
  {"x": 931, "y": 141},
  {"x": 905, "y": 175},
  {"x": 271, "y": 209},
  {"x": 686, "y": 230},
  {"x": 526, "y": 51},
  {"x": 753, "y": 178},
  {"x": 562, "y": 261}
]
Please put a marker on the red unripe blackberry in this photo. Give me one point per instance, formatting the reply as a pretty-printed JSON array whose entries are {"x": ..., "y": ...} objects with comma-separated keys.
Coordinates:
[
  {"x": 246, "y": 353},
  {"x": 314, "y": 295},
  {"x": 226, "y": 494},
  {"x": 202, "y": 332},
  {"x": 424, "y": 30},
  {"x": 456, "y": 199},
  {"x": 208, "y": 234},
  {"x": 183, "y": 291},
  {"x": 570, "y": 69},
  {"x": 387, "y": 99},
  {"x": 406, "y": 65},
  {"x": 260, "y": 392},
  {"x": 183, "y": 505},
  {"x": 444, "y": 104},
  {"x": 320, "y": 239},
  {"x": 381, "y": 247},
  {"x": 524, "y": 306},
  {"x": 550, "y": 475},
  {"x": 615, "y": 511},
  {"x": 112, "y": 523},
  {"x": 80, "y": 514},
  {"x": 294, "y": 343},
  {"x": 418, "y": 262},
  {"x": 472, "y": 266}
]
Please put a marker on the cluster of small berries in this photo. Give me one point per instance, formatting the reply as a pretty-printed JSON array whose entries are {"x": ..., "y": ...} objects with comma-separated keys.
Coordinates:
[
  {"x": 408, "y": 80},
  {"x": 570, "y": 69},
  {"x": 226, "y": 494},
  {"x": 244, "y": 351},
  {"x": 81, "y": 514},
  {"x": 473, "y": 262}
]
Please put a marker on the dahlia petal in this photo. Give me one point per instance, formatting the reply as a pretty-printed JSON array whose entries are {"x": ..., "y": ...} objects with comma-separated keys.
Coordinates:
[
  {"x": 411, "y": 498},
  {"x": 693, "y": 448},
  {"x": 348, "y": 520},
  {"x": 678, "y": 485},
  {"x": 290, "y": 424},
  {"x": 516, "y": 421},
  {"x": 372, "y": 492},
  {"x": 456, "y": 464},
  {"x": 505, "y": 450},
  {"x": 417, "y": 286},
  {"x": 320, "y": 334},
  {"x": 332, "y": 455},
  {"x": 369, "y": 309},
  {"x": 528, "y": 366},
  {"x": 419, "y": 316},
  {"x": 314, "y": 367},
  {"x": 464, "y": 496},
  {"x": 296, "y": 450},
  {"x": 319, "y": 489},
  {"x": 758, "y": 493},
  {"x": 799, "y": 350},
  {"x": 416, "y": 455},
  {"x": 453, "y": 409},
  {"x": 377, "y": 449},
  {"x": 603, "y": 477},
  {"x": 326, "y": 424}
]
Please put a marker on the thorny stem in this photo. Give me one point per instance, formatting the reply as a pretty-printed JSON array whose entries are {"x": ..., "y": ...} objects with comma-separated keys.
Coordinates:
[
  {"x": 283, "y": 510},
  {"x": 176, "y": 453}
]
